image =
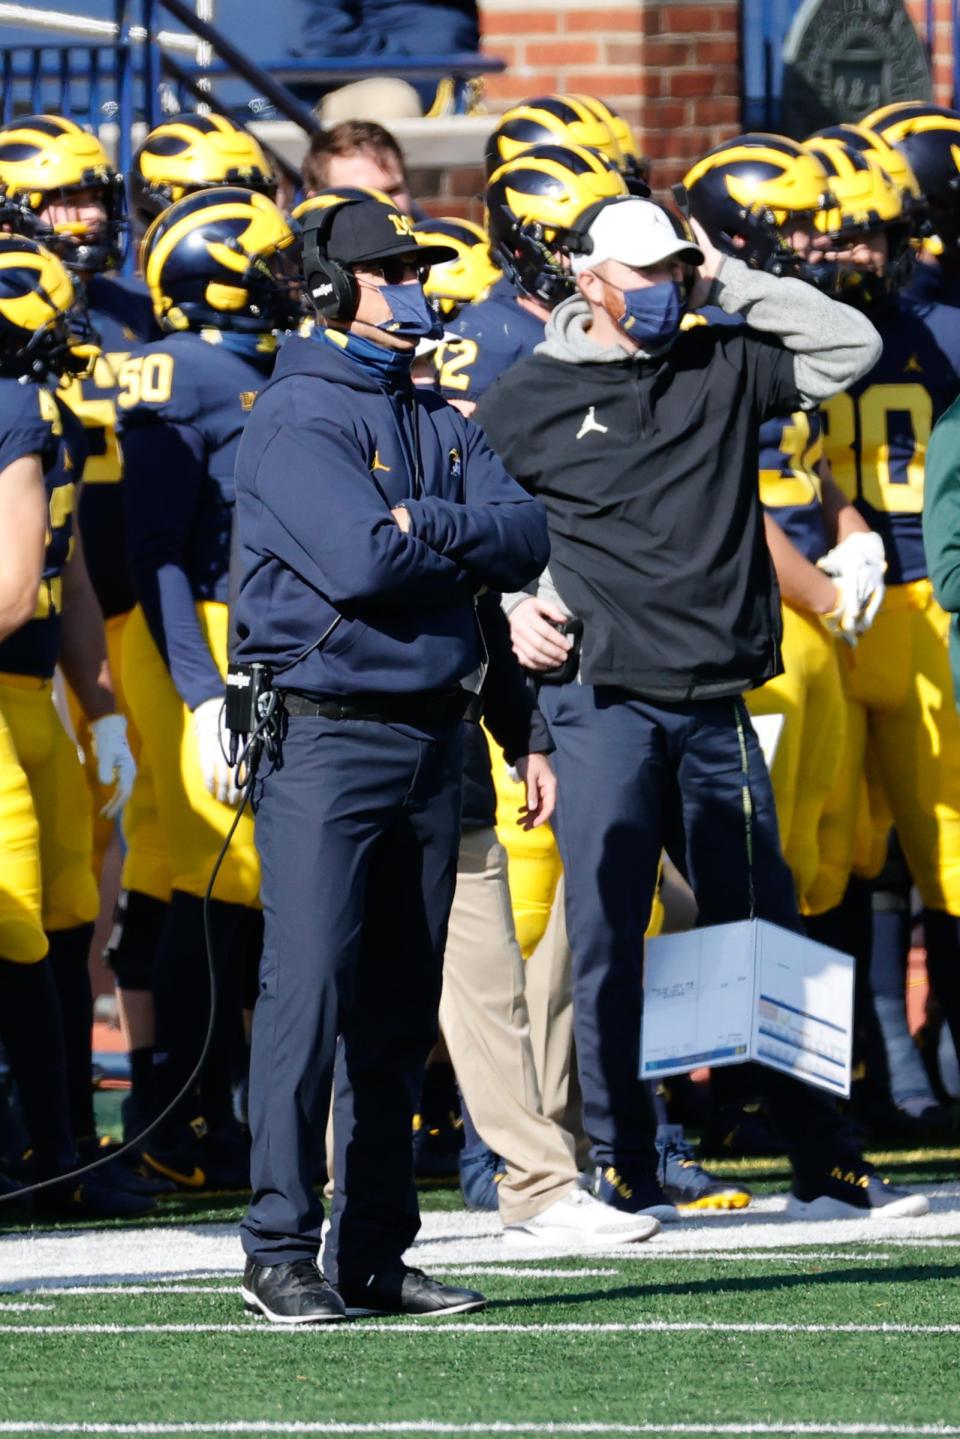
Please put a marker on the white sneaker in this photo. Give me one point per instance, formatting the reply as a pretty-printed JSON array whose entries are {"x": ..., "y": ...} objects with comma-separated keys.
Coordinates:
[{"x": 578, "y": 1221}]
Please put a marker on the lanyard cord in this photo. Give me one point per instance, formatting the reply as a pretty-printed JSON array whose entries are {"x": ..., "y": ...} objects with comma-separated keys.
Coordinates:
[{"x": 746, "y": 799}]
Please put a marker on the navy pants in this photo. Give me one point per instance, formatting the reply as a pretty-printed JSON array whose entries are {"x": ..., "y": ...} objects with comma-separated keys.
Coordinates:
[
  {"x": 636, "y": 778},
  {"x": 357, "y": 831}
]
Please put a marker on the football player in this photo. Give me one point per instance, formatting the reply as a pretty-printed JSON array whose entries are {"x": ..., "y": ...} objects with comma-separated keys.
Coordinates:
[
  {"x": 901, "y": 721},
  {"x": 221, "y": 281},
  {"x": 555, "y": 120},
  {"x": 530, "y": 201},
  {"x": 928, "y": 139},
  {"x": 57, "y": 183},
  {"x": 466, "y": 279},
  {"x": 48, "y": 894},
  {"x": 186, "y": 153}
]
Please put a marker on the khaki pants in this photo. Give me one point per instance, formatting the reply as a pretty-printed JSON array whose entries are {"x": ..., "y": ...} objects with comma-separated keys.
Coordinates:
[
  {"x": 483, "y": 1015},
  {"x": 550, "y": 1007}
]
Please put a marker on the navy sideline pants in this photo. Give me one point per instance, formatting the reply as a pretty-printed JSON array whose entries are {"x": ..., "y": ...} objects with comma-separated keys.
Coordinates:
[
  {"x": 635, "y": 778},
  {"x": 357, "y": 833}
]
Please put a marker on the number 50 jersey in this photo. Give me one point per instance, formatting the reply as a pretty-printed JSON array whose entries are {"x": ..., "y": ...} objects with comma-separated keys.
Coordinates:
[{"x": 875, "y": 435}]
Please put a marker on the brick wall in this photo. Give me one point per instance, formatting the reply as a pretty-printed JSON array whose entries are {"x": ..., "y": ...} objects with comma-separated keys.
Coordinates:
[
  {"x": 672, "y": 69},
  {"x": 942, "y": 48}
]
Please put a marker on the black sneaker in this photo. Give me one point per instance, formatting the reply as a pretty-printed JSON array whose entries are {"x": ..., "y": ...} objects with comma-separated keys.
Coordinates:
[
  {"x": 294, "y": 1293},
  {"x": 410, "y": 1292},
  {"x": 851, "y": 1190}
]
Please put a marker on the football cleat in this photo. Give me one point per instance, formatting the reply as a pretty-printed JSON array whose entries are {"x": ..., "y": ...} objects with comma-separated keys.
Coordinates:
[
  {"x": 436, "y": 1148},
  {"x": 480, "y": 1173},
  {"x": 851, "y": 1191},
  {"x": 634, "y": 1192},
  {"x": 686, "y": 1184}
]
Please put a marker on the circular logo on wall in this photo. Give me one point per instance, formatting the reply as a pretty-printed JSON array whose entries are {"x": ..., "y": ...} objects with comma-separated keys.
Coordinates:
[{"x": 843, "y": 58}]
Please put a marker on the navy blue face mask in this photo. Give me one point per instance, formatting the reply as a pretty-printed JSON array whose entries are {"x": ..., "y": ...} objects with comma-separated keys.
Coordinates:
[
  {"x": 652, "y": 316},
  {"x": 413, "y": 317}
]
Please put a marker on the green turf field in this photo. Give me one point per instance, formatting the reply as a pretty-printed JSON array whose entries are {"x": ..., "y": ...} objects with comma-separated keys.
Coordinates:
[
  {"x": 745, "y": 1324},
  {"x": 831, "y": 1337}
]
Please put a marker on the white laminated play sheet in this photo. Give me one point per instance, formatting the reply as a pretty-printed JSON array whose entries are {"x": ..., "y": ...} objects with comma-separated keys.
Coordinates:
[{"x": 747, "y": 991}]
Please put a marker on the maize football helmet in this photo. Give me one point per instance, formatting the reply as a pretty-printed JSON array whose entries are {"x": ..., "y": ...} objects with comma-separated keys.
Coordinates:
[
  {"x": 865, "y": 199},
  {"x": 929, "y": 137},
  {"x": 47, "y": 161},
  {"x": 746, "y": 191},
  {"x": 225, "y": 258},
  {"x": 195, "y": 152},
  {"x": 551, "y": 120},
  {"x": 871, "y": 142},
  {"x": 534, "y": 204},
  {"x": 457, "y": 282},
  {"x": 42, "y": 330},
  {"x": 633, "y": 165}
]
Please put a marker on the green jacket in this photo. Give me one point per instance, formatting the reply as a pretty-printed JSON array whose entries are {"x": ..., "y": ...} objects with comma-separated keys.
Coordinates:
[{"x": 941, "y": 524}]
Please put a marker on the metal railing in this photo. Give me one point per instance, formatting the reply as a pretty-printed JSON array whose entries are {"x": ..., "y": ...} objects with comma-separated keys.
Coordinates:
[{"x": 118, "y": 75}]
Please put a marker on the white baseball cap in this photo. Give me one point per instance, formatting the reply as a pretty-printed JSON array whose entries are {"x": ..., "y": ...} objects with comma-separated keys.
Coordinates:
[{"x": 635, "y": 232}]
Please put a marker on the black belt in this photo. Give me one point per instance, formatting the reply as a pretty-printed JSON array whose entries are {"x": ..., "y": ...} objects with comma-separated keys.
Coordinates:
[{"x": 430, "y": 707}]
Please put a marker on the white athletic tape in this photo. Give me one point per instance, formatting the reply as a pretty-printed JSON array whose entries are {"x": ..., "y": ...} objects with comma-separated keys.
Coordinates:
[{"x": 432, "y": 1326}]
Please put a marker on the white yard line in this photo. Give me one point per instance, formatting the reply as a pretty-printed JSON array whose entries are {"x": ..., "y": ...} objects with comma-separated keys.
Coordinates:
[
  {"x": 451, "y": 1241},
  {"x": 434, "y": 1326},
  {"x": 435, "y": 1426}
]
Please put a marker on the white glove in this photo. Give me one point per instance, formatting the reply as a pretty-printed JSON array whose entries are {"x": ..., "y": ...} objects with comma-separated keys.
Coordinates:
[
  {"x": 218, "y": 775},
  {"x": 857, "y": 566},
  {"x": 115, "y": 763}
]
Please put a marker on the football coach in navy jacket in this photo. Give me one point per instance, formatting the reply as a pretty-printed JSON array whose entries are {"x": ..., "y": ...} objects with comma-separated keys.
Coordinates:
[{"x": 370, "y": 515}]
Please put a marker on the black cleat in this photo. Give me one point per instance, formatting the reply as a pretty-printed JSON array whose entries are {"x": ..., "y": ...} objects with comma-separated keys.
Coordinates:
[
  {"x": 90, "y": 1196},
  {"x": 294, "y": 1293},
  {"x": 410, "y": 1292}
]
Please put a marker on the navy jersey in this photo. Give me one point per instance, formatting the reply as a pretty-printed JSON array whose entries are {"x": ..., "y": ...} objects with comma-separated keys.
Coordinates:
[
  {"x": 32, "y": 422},
  {"x": 489, "y": 337},
  {"x": 790, "y": 451},
  {"x": 876, "y": 434},
  {"x": 180, "y": 416},
  {"x": 933, "y": 283},
  {"x": 122, "y": 315}
]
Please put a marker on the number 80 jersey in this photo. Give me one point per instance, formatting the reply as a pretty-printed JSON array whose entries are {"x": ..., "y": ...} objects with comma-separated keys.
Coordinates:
[{"x": 875, "y": 435}]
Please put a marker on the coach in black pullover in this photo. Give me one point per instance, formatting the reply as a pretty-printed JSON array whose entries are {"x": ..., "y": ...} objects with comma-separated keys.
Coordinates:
[{"x": 641, "y": 440}]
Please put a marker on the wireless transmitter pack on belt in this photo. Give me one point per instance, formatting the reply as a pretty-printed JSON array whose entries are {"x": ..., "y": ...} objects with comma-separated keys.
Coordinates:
[{"x": 250, "y": 700}]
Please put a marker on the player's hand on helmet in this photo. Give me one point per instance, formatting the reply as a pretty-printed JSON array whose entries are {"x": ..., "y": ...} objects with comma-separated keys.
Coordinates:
[
  {"x": 115, "y": 763},
  {"x": 536, "y": 643},
  {"x": 219, "y": 775},
  {"x": 857, "y": 566}
]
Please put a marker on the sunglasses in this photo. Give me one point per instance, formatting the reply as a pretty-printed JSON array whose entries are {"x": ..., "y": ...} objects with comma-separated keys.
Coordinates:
[{"x": 397, "y": 272}]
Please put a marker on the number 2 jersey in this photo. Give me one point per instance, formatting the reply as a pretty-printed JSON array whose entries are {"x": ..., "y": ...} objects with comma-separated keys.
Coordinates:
[
  {"x": 875, "y": 435},
  {"x": 181, "y": 412},
  {"x": 34, "y": 422},
  {"x": 483, "y": 342}
]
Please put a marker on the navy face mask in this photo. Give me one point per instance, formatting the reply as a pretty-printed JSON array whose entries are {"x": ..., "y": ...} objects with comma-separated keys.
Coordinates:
[
  {"x": 652, "y": 316},
  {"x": 414, "y": 318}
]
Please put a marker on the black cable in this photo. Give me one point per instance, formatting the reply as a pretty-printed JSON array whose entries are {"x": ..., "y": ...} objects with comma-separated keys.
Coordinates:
[{"x": 249, "y": 760}]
